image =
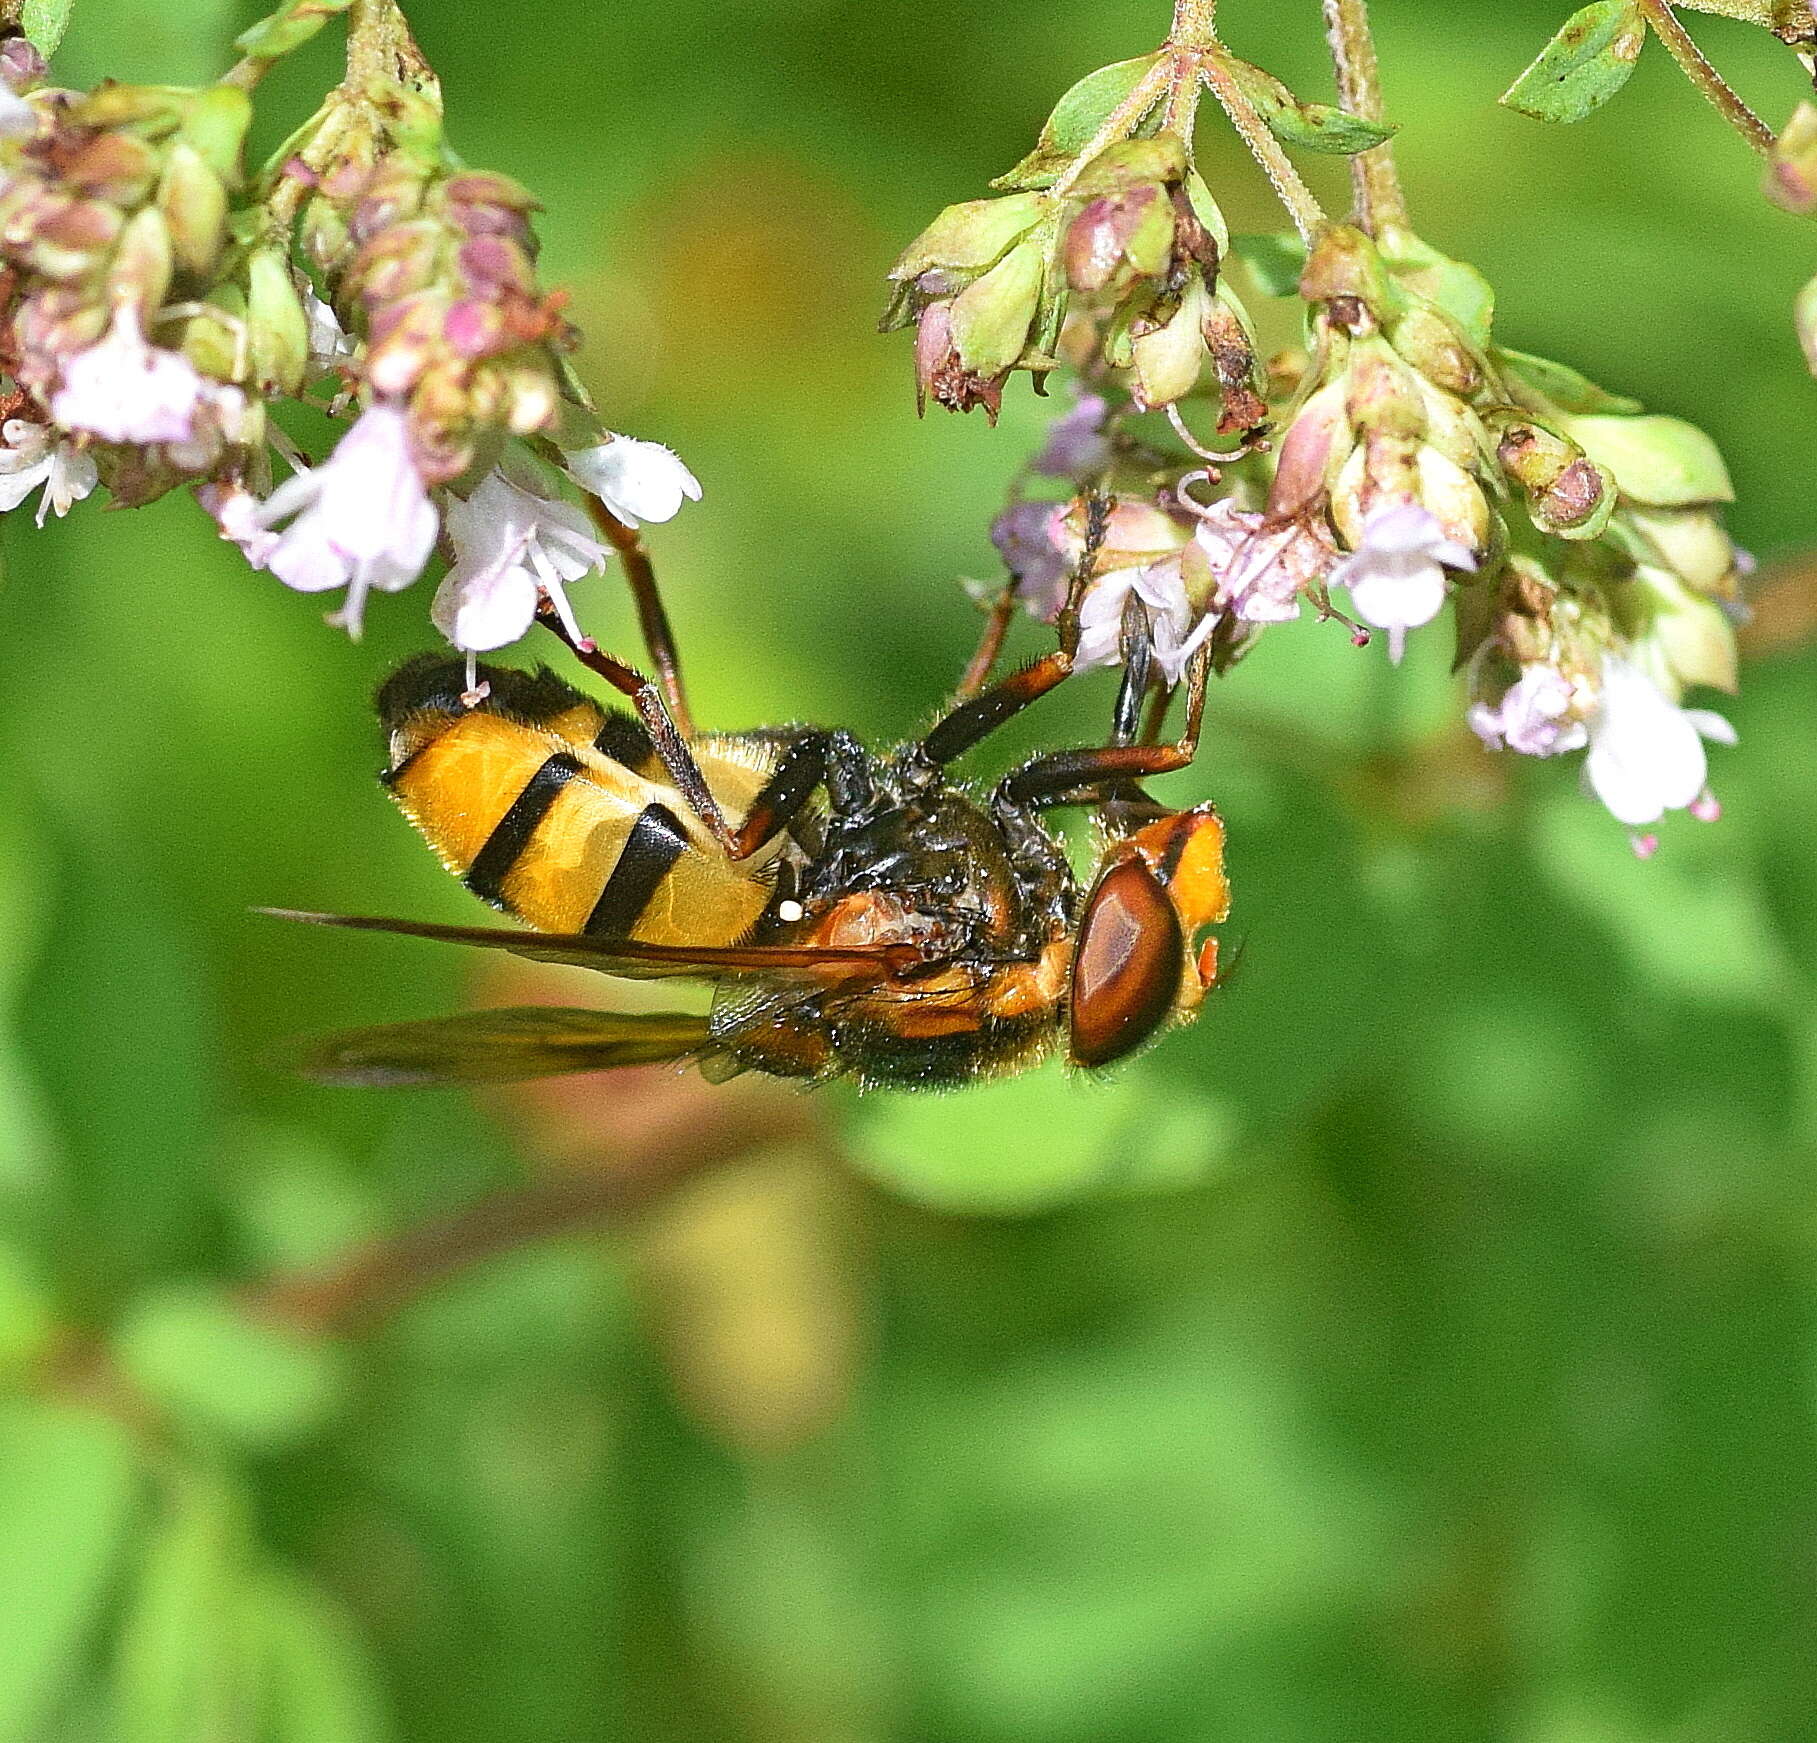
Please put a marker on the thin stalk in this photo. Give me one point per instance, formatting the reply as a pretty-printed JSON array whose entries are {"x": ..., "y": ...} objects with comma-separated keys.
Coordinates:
[
  {"x": 1194, "y": 23},
  {"x": 1307, "y": 214},
  {"x": 380, "y": 47},
  {"x": 1695, "y": 67},
  {"x": 1380, "y": 202}
]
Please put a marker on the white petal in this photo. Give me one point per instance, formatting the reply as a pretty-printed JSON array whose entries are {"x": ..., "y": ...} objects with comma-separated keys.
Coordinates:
[
  {"x": 15, "y": 487},
  {"x": 1712, "y": 726},
  {"x": 637, "y": 481},
  {"x": 481, "y": 612}
]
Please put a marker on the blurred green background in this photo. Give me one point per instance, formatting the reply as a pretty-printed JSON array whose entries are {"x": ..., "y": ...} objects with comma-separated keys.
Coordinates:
[{"x": 1420, "y": 1347}]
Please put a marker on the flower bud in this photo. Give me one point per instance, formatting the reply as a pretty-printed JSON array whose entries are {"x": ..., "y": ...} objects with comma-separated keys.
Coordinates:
[
  {"x": 1690, "y": 542},
  {"x": 1118, "y": 240},
  {"x": 970, "y": 238},
  {"x": 1804, "y": 316},
  {"x": 1167, "y": 359},
  {"x": 1312, "y": 453},
  {"x": 1791, "y": 176},
  {"x": 1568, "y": 494},
  {"x": 1231, "y": 342},
  {"x": 1690, "y": 635},
  {"x": 277, "y": 327},
  {"x": 211, "y": 341},
  {"x": 142, "y": 264},
  {"x": 1434, "y": 347},
  {"x": 992, "y": 316},
  {"x": 1382, "y": 394},
  {"x": 193, "y": 202},
  {"x": 1660, "y": 461},
  {"x": 214, "y": 127}
]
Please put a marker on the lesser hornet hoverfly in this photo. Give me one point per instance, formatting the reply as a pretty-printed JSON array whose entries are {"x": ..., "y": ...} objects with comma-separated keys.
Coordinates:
[{"x": 860, "y": 915}]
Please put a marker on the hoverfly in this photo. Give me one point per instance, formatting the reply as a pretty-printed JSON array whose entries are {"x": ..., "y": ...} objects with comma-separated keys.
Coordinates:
[{"x": 861, "y": 915}]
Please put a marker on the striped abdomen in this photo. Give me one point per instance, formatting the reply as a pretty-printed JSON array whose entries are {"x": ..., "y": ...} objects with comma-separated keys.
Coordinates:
[{"x": 551, "y": 808}]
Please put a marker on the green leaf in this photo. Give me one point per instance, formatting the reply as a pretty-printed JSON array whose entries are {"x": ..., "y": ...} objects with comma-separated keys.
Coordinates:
[
  {"x": 1076, "y": 120},
  {"x": 323, "y": 1685},
  {"x": 1274, "y": 261},
  {"x": 1039, "y": 1139},
  {"x": 288, "y": 28},
  {"x": 1305, "y": 126},
  {"x": 44, "y": 22},
  {"x": 215, "y": 1365},
  {"x": 69, "y": 1492},
  {"x": 184, "y": 1667},
  {"x": 1583, "y": 66},
  {"x": 1562, "y": 385}
]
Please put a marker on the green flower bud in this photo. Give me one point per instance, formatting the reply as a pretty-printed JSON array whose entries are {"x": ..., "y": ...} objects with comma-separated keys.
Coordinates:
[
  {"x": 1804, "y": 316},
  {"x": 193, "y": 201},
  {"x": 1660, "y": 461},
  {"x": 1168, "y": 359},
  {"x": 1381, "y": 394},
  {"x": 326, "y": 243},
  {"x": 1692, "y": 635},
  {"x": 214, "y": 127},
  {"x": 972, "y": 237},
  {"x": 1434, "y": 347},
  {"x": 142, "y": 265},
  {"x": 992, "y": 316},
  {"x": 1120, "y": 239},
  {"x": 1690, "y": 542},
  {"x": 1132, "y": 164},
  {"x": 277, "y": 328},
  {"x": 215, "y": 343},
  {"x": 1791, "y": 176}
]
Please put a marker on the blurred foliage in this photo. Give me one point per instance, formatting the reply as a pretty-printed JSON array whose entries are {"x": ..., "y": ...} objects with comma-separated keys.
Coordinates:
[{"x": 1420, "y": 1347}]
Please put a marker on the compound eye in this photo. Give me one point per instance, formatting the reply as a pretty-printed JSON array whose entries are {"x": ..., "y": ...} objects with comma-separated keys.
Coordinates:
[{"x": 1127, "y": 966}]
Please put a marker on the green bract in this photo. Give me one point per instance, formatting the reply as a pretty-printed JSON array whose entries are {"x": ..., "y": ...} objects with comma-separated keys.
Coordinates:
[
  {"x": 1583, "y": 66},
  {"x": 1660, "y": 461},
  {"x": 1076, "y": 119}
]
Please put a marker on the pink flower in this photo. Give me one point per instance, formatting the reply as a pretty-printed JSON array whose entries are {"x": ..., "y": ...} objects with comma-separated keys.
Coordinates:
[
  {"x": 1534, "y": 717},
  {"x": 125, "y": 390},
  {"x": 1176, "y": 630},
  {"x": 1258, "y": 568},
  {"x": 362, "y": 519}
]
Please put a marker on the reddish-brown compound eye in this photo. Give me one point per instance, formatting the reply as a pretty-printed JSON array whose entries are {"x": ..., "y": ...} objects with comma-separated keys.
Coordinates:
[{"x": 1127, "y": 967}]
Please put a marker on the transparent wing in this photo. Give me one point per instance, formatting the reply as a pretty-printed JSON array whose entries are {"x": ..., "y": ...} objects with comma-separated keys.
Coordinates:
[
  {"x": 503, "y": 1046},
  {"x": 630, "y": 960}
]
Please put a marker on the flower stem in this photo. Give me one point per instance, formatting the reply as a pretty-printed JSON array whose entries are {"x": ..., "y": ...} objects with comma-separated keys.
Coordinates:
[
  {"x": 1193, "y": 24},
  {"x": 1380, "y": 202},
  {"x": 1307, "y": 214},
  {"x": 1706, "y": 78},
  {"x": 380, "y": 46}
]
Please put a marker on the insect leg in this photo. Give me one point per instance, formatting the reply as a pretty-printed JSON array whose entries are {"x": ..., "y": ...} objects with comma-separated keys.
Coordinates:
[
  {"x": 671, "y": 747},
  {"x": 652, "y": 619},
  {"x": 990, "y": 645},
  {"x": 979, "y": 716},
  {"x": 1055, "y": 777}
]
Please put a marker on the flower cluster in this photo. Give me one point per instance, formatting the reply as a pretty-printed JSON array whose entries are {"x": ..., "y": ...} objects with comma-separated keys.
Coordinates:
[
  {"x": 1405, "y": 462},
  {"x": 159, "y": 305}
]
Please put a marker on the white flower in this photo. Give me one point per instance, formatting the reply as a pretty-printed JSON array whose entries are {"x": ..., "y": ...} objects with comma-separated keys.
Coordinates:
[
  {"x": 1174, "y": 637},
  {"x": 18, "y": 119},
  {"x": 1396, "y": 576},
  {"x": 125, "y": 390},
  {"x": 637, "y": 481},
  {"x": 512, "y": 549},
  {"x": 33, "y": 456},
  {"x": 1646, "y": 753},
  {"x": 362, "y": 518},
  {"x": 328, "y": 340},
  {"x": 1534, "y": 717}
]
